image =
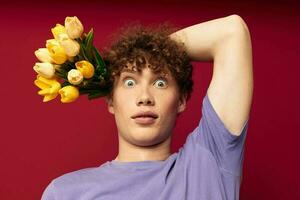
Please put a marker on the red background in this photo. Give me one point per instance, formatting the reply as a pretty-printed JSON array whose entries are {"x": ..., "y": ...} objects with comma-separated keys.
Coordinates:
[{"x": 41, "y": 141}]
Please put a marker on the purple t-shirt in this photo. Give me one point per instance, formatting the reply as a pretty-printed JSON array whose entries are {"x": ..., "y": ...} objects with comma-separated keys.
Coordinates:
[{"x": 207, "y": 167}]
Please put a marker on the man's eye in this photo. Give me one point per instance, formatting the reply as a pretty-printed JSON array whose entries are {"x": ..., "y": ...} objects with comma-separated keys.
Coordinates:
[
  {"x": 161, "y": 83},
  {"x": 129, "y": 82}
]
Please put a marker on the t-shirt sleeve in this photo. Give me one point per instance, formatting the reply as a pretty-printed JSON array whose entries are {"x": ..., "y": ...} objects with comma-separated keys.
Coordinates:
[
  {"x": 211, "y": 134},
  {"x": 48, "y": 193}
]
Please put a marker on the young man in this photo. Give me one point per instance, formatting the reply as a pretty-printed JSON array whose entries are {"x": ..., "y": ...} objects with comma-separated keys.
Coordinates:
[{"x": 146, "y": 100}]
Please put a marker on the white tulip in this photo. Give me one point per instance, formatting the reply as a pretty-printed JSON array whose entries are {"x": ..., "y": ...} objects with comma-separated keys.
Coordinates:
[
  {"x": 71, "y": 47},
  {"x": 46, "y": 70},
  {"x": 73, "y": 27},
  {"x": 43, "y": 55},
  {"x": 75, "y": 77}
]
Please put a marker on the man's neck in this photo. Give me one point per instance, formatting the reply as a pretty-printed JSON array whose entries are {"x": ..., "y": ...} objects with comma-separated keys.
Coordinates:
[{"x": 132, "y": 153}]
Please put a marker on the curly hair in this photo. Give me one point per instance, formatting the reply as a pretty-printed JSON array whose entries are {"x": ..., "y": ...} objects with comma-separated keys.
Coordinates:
[{"x": 137, "y": 46}]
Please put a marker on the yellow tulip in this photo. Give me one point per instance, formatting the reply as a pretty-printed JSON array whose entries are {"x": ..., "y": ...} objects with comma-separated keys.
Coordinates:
[
  {"x": 68, "y": 94},
  {"x": 86, "y": 68},
  {"x": 71, "y": 47},
  {"x": 49, "y": 87},
  {"x": 46, "y": 70},
  {"x": 43, "y": 55},
  {"x": 75, "y": 76},
  {"x": 57, "y": 30},
  {"x": 57, "y": 52},
  {"x": 74, "y": 27}
]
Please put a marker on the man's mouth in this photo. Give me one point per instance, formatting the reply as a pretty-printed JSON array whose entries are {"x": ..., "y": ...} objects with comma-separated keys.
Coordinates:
[
  {"x": 145, "y": 114},
  {"x": 145, "y": 117},
  {"x": 145, "y": 120}
]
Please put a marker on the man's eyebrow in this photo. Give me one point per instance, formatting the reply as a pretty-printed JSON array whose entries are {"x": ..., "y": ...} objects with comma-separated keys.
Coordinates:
[{"x": 126, "y": 70}]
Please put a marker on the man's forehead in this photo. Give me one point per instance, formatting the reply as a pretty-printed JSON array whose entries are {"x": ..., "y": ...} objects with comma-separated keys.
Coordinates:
[{"x": 128, "y": 70}]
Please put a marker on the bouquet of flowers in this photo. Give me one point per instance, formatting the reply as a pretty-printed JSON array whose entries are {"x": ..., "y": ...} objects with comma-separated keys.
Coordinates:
[{"x": 70, "y": 65}]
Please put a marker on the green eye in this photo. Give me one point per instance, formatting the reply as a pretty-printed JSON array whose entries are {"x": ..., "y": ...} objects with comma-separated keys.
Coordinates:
[
  {"x": 129, "y": 82},
  {"x": 161, "y": 83}
]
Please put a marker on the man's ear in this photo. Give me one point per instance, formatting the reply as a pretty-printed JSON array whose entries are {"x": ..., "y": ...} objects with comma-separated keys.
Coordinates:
[
  {"x": 181, "y": 104},
  {"x": 109, "y": 102}
]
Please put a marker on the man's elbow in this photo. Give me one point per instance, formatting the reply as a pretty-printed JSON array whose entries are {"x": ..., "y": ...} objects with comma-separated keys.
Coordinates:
[{"x": 237, "y": 24}]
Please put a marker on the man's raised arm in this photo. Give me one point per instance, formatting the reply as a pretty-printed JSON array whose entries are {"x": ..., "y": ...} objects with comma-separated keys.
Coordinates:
[{"x": 227, "y": 42}]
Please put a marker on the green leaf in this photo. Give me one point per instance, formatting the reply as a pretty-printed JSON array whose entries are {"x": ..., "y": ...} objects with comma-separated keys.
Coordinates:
[
  {"x": 66, "y": 83},
  {"x": 89, "y": 43},
  {"x": 88, "y": 90},
  {"x": 83, "y": 51},
  {"x": 63, "y": 76},
  {"x": 100, "y": 62},
  {"x": 96, "y": 95}
]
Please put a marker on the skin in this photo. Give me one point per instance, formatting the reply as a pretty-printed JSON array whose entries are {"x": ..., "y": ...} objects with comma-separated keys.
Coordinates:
[
  {"x": 145, "y": 91},
  {"x": 225, "y": 41}
]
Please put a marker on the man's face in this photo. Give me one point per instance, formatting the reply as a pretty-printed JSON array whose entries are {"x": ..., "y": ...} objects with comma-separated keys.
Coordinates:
[{"x": 136, "y": 92}]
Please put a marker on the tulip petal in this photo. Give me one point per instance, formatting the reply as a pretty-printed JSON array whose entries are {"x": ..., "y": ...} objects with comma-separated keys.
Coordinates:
[
  {"x": 45, "y": 91},
  {"x": 43, "y": 55},
  {"x": 40, "y": 84},
  {"x": 47, "y": 81},
  {"x": 69, "y": 94},
  {"x": 57, "y": 30},
  {"x": 49, "y": 97},
  {"x": 45, "y": 70},
  {"x": 74, "y": 27},
  {"x": 56, "y": 51}
]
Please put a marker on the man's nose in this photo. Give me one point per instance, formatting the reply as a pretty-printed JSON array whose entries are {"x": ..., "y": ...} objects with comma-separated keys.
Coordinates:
[{"x": 145, "y": 98}]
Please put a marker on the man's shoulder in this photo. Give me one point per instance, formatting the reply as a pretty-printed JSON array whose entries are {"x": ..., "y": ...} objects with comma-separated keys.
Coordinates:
[{"x": 79, "y": 176}]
